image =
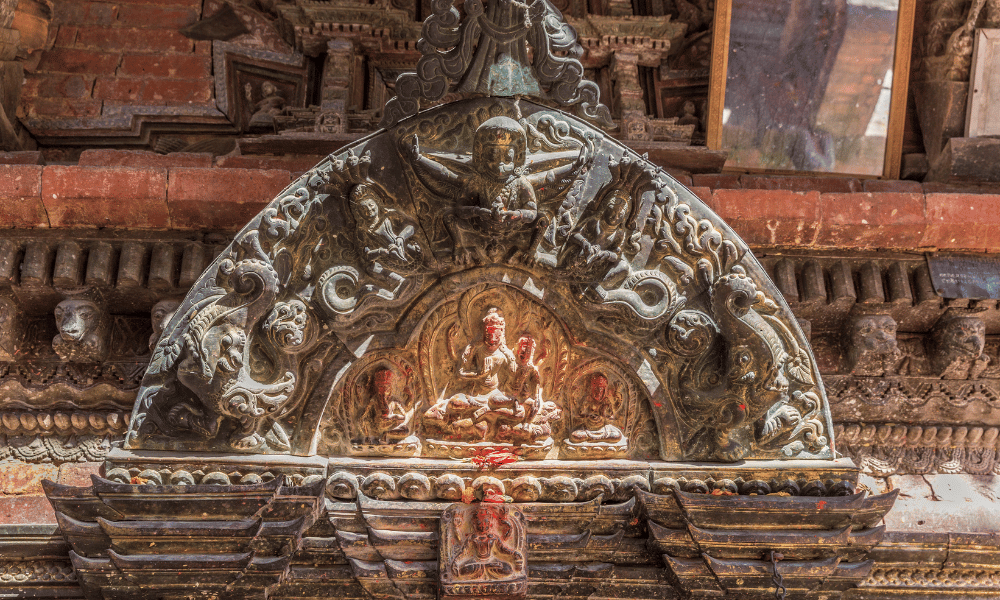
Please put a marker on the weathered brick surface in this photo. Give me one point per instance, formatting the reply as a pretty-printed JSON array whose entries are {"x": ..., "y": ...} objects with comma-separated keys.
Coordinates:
[
  {"x": 178, "y": 90},
  {"x": 902, "y": 187},
  {"x": 69, "y": 60},
  {"x": 966, "y": 221},
  {"x": 78, "y": 474},
  {"x": 887, "y": 220},
  {"x": 17, "y": 478},
  {"x": 61, "y": 107},
  {"x": 182, "y": 66},
  {"x": 296, "y": 165},
  {"x": 105, "y": 197},
  {"x": 161, "y": 17},
  {"x": 27, "y": 157},
  {"x": 122, "y": 89},
  {"x": 771, "y": 216},
  {"x": 26, "y": 510},
  {"x": 801, "y": 183},
  {"x": 705, "y": 194},
  {"x": 220, "y": 198},
  {"x": 58, "y": 85},
  {"x": 21, "y": 196},
  {"x": 150, "y": 40},
  {"x": 716, "y": 181},
  {"x": 143, "y": 158},
  {"x": 82, "y": 12}
]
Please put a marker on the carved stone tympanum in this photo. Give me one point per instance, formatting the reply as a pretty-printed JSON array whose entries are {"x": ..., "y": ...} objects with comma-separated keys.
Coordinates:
[{"x": 492, "y": 302}]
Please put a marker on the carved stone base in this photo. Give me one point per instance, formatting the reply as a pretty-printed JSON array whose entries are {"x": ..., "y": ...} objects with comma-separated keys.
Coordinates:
[
  {"x": 595, "y": 450},
  {"x": 443, "y": 449},
  {"x": 409, "y": 446}
]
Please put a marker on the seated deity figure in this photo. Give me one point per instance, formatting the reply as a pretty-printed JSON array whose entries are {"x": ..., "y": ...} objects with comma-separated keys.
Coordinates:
[
  {"x": 598, "y": 412},
  {"x": 597, "y": 246},
  {"x": 386, "y": 419},
  {"x": 530, "y": 416},
  {"x": 485, "y": 368},
  {"x": 485, "y": 553}
]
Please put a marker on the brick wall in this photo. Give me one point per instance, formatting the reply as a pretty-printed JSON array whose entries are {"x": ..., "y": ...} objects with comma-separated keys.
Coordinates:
[
  {"x": 144, "y": 190},
  {"x": 102, "y": 55}
]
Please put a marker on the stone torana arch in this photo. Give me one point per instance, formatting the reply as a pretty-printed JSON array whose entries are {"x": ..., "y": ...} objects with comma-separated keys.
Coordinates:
[
  {"x": 589, "y": 258},
  {"x": 494, "y": 303}
]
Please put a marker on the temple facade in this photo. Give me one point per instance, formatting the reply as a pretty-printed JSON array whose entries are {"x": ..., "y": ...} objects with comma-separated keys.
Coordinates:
[{"x": 392, "y": 300}]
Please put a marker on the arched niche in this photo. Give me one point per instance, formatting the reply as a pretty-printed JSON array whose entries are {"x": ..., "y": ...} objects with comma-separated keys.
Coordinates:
[{"x": 347, "y": 318}]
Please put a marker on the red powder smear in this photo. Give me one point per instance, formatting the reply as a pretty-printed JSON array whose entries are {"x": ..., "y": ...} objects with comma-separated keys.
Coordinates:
[
  {"x": 489, "y": 458},
  {"x": 494, "y": 496},
  {"x": 821, "y": 504}
]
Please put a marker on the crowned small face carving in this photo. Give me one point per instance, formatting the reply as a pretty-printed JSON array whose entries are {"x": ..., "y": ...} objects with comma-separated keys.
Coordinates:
[
  {"x": 82, "y": 327},
  {"x": 872, "y": 349},
  {"x": 958, "y": 348}
]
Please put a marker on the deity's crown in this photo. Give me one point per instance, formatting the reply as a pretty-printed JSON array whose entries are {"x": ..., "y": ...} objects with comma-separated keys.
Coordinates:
[
  {"x": 493, "y": 320},
  {"x": 502, "y": 131}
]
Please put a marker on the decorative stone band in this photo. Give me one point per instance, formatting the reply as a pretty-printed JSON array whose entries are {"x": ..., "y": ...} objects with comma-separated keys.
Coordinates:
[
  {"x": 63, "y": 422},
  {"x": 54, "y": 448},
  {"x": 887, "y": 449},
  {"x": 27, "y": 572},
  {"x": 923, "y": 578}
]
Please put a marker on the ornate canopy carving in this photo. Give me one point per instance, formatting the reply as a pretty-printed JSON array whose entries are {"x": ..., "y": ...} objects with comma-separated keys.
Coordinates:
[{"x": 492, "y": 273}]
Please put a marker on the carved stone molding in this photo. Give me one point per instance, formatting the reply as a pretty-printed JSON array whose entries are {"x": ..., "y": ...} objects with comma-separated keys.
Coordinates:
[
  {"x": 884, "y": 449},
  {"x": 56, "y": 448}
]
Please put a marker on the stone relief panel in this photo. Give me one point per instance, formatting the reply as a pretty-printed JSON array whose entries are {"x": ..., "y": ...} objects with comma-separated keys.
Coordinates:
[
  {"x": 483, "y": 551},
  {"x": 492, "y": 273}
]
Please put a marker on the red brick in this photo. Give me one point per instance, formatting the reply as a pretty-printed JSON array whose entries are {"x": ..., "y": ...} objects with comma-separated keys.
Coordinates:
[
  {"x": 122, "y": 89},
  {"x": 59, "y": 86},
  {"x": 705, "y": 194},
  {"x": 17, "y": 478},
  {"x": 682, "y": 177},
  {"x": 26, "y": 510},
  {"x": 196, "y": 4},
  {"x": 178, "y": 90},
  {"x": 78, "y": 12},
  {"x": 220, "y": 198},
  {"x": 65, "y": 60},
  {"x": 168, "y": 17},
  {"x": 30, "y": 157},
  {"x": 78, "y": 474},
  {"x": 105, "y": 196},
  {"x": 963, "y": 221},
  {"x": 867, "y": 220},
  {"x": 65, "y": 36},
  {"x": 716, "y": 181},
  {"x": 896, "y": 186},
  {"x": 61, "y": 107},
  {"x": 166, "y": 65},
  {"x": 21, "y": 196},
  {"x": 770, "y": 217},
  {"x": 143, "y": 158},
  {"x": 799, "y": 183},
  {"x": 296, "y": 165},
  {"x": 148, "y": 40}
]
